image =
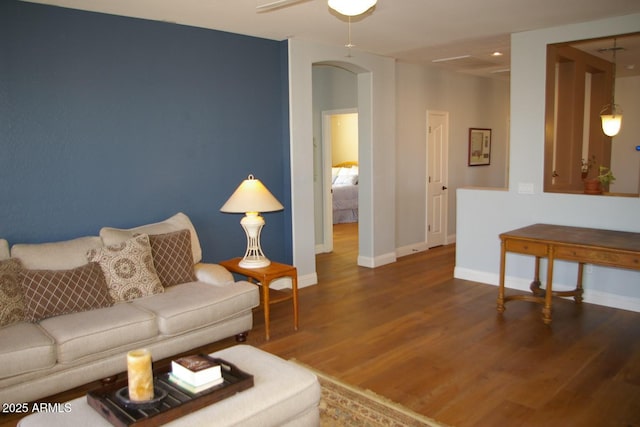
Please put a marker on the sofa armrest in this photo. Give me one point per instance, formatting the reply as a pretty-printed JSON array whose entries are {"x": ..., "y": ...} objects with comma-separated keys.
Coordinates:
[
  {"x": 4, "y": 249},
  {"x": 213, "y": 274}
]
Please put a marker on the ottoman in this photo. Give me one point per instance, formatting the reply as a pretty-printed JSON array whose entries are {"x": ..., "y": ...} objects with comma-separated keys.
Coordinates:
[{"x": 284, "y": 394}]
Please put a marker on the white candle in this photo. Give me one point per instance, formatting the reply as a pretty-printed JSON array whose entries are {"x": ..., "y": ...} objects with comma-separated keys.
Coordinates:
[{"x": 140, "y": 375}]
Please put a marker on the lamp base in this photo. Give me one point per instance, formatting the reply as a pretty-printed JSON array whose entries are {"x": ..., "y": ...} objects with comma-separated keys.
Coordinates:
[
  {"x": 254, "y": 262},
  {"x": 252, "y": 224}
]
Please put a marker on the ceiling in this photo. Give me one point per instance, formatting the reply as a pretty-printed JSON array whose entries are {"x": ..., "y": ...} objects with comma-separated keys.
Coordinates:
[
  {"x": 419, "y": 31},
  {"x": 627, "y": 52}
]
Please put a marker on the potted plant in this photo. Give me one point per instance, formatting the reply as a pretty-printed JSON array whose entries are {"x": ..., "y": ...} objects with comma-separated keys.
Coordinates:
[{"x": 597, "y": 184}]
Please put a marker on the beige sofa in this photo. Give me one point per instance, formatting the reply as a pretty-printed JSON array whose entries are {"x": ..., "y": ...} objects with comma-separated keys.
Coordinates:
[{"x": 72, "y": 333}]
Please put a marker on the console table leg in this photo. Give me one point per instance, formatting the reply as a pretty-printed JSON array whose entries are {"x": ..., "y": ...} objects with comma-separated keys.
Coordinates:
[
  {"x": 578, "y": 296},
  {"x": 503, "y": 256},
  {"x": 546, "y": 311},
  {"x": 536, "y": 285},
  {"x": 546, "y": 315}
]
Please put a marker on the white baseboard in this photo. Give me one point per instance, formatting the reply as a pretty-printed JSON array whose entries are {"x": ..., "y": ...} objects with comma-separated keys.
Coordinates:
[
  {"x": 414, "y": 248},
  {"x": 411, "y": 249},
  {"x": 307, "y": 280},
  {"x": 376, "y": 261},
  {"x": 303, "y": 282},
  {"x": 400, "y": 252},
  {"x": 590, "y": 296},
  {"x": 320, "y": 249}
]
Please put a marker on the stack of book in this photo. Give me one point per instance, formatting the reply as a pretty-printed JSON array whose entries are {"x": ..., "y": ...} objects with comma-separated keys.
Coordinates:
[{"x": 195, "y": 373}]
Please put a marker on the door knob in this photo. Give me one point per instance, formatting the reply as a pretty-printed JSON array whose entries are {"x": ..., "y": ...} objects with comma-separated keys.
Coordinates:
[{"x": 444, "y": 188}]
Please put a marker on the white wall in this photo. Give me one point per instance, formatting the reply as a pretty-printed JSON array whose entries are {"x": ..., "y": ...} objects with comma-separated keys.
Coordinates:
[
  {"x": 625, "y": 160},
  {"x": 471, "y": 102},
  {"x": 376, "y": 111},
  {"x": 482, "y": 214},
  {"x": 344, "y": 138}
]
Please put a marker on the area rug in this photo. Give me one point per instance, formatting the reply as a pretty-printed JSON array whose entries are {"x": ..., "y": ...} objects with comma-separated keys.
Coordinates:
[{"x": 344, "y": 405}]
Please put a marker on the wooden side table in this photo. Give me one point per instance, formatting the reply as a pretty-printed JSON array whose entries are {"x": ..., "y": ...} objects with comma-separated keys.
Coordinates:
[{"x": 264, "y": 276}]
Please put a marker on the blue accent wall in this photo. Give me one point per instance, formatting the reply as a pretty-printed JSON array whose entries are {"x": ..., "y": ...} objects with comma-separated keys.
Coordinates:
[{"x": 115, "y": 121}]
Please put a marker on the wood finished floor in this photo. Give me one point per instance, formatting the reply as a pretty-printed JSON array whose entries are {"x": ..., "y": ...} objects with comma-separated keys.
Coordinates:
[{"x": 413, "y": 333}]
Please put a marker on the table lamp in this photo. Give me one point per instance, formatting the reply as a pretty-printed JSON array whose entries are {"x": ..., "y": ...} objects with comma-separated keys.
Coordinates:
[{"x": 252, "y": 197}]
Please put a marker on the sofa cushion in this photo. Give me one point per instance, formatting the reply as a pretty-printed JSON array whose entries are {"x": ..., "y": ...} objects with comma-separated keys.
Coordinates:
[
  {"x": 173, "y": 258},
  {"x": 191, "y": 306},
  {"x": 11, "y": 295},
  {"x": 90, "y": 333},
  {"x": 57, "y": 255},
  {"x": 4, "y": 249},
  {"x": 177, "y": 222},
  {"x": 53, "y": 292},
  {"x": 128, "y": 267},
  {"x": 26, "y": 347}
]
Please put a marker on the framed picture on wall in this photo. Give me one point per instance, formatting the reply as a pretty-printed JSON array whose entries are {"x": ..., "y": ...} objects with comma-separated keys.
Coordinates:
[{"x": 479, "y": 147}]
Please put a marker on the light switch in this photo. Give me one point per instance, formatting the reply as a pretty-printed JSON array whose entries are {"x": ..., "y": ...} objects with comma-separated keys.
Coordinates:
[{"x": 525, "y": 188}]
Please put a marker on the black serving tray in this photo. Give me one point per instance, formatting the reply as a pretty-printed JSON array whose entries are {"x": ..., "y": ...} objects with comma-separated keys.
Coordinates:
[{"x": 176, "y": 403}]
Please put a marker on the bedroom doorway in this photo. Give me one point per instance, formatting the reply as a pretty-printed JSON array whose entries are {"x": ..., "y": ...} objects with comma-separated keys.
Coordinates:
[{"x": 340, "y": 171}]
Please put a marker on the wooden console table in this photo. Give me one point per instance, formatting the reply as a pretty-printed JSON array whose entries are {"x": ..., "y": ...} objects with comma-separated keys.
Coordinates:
[
  {"x": 264, "y": 276},
  {"x": 583, "y": 245}
]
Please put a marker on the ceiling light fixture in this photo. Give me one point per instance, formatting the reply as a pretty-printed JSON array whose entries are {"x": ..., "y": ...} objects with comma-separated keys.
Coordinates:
[
  {"x": 611, "y": 123},
  {"x": 351, "y": 7},
  {"x": 452, "y": 58}
]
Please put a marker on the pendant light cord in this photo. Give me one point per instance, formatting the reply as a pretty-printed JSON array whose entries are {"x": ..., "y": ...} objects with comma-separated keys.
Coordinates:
[
  {"x": 613, "y": 85},
  {"x": 349, "y": 45}
]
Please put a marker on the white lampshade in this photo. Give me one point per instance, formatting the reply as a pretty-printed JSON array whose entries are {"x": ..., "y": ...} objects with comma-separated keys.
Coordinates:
[
  {"x": 252, "y": 197},
  {"x": 351, "y": 7},
  {"x": 611, "y": 124}
]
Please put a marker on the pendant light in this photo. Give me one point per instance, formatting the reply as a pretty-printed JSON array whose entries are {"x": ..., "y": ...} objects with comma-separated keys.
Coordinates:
[
  {"x": 612, "y": 122},
  {"x": 351, "y": 7},
  {"x": 349, "y": 44}
]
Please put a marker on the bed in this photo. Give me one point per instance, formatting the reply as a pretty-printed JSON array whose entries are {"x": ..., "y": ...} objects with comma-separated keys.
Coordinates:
[{"x": 344, "y": 178}]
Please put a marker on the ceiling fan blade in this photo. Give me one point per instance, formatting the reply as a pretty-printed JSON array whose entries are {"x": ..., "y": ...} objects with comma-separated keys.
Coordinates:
[{"x": 276, "y": 4}]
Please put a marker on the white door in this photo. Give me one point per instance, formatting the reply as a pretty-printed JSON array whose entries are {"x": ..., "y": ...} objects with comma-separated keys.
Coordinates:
[{"x": 437, "y": 149}]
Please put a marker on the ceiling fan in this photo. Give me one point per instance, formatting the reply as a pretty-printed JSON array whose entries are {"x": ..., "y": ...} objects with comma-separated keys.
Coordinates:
[
  {"x": 276, "y": 4},
  {"x": 344, "y": 7},
  {"x": 347, "y": 8}
]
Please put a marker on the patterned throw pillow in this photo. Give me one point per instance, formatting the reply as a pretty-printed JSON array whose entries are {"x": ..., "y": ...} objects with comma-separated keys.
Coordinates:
[
  {"x": 172, "y": 257},
  {"x": 11, "y": 295},
  {"x": 50, "y": 293},
  {"x": 129, "y": 269}
]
